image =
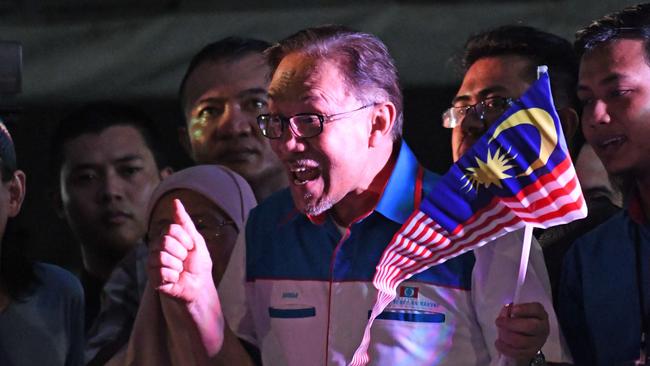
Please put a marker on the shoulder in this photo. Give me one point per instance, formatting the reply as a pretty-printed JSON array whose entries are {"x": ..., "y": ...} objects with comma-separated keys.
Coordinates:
[
  {"x": 58, "y": 280},
  {"x": 607, "y": 233},
  {"x": 599, "y": 245},
  {"x": 429, "y": 181}
]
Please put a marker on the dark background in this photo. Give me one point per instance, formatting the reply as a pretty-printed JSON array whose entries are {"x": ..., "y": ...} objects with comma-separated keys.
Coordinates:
[
  {"x": 32, "y": 127},
  {"x": 76, "y": 51}
]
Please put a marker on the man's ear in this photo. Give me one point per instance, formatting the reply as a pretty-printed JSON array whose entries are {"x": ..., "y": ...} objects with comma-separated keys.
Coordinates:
[
  {"x": 383, "y": 119},
  {"x": 184, "y": 140},
  {"x": 16, "y": 187},
  {"x": 570, "y": 122}
]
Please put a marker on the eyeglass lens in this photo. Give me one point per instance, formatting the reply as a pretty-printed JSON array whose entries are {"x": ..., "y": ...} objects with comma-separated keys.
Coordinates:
[
  {"x": 303, "y": 125},
  {"x": 486, "y": 111}
]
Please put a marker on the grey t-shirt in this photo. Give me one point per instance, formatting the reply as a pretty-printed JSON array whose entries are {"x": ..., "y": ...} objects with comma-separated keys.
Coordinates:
[{"x": 46, "y": 328}]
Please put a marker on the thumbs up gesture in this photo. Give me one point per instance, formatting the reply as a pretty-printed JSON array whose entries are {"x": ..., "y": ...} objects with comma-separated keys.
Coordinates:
[{"x": 179, "y": 263}]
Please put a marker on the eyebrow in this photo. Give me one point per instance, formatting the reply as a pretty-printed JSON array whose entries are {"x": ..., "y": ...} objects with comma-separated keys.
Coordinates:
[
  {"x": 482, "y": 94},
  {"x": 128, "y": 158},
  {"x": 241, "y": 94},
  {"x": 613, "y": 78},
  {"x": 610, "y": 79},
  {"x": 121, "y": 160}
]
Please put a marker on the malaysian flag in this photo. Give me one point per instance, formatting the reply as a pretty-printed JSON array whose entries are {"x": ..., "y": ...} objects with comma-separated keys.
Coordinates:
[{"x": 519, "y": 173}]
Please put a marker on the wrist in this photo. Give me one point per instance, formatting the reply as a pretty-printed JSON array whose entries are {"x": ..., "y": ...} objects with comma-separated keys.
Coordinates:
[
  {"x": 206, "y": 314},
  {"x": 538, "y": 359}
]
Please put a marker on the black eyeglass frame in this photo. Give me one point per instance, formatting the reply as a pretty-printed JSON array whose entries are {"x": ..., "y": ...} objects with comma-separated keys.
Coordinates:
[{"x": 264, "y": 119}]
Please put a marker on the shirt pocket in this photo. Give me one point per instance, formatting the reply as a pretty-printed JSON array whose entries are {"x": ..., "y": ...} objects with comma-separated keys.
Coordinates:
[{"x": 292, "y": 311}]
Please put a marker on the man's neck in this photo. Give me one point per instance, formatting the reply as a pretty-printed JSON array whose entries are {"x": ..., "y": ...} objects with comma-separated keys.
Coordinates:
[
  {"x": 98, "y": 264},
  {"x": 358, "y": 204}
]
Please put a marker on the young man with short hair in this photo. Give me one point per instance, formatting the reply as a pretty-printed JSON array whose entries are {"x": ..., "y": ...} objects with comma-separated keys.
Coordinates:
[
  {"x": 106, "y": 163},
  {"x": 604, "y": 295}
]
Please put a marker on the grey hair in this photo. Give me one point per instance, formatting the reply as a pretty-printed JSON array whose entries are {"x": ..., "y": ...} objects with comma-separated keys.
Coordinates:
[{"x": 362, "y": 57}]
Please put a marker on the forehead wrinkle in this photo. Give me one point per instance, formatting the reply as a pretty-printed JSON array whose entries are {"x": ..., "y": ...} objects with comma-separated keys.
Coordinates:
[
  {"x": 316, "y": 94},
  {"x": 281, "y": 83},
  {"x": 315, "y": 81}
]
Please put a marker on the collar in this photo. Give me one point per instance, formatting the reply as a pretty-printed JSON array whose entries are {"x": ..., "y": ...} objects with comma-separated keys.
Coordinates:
[
  {"x": 318, "y": 219},
  {"x": 398, "y": 200}
]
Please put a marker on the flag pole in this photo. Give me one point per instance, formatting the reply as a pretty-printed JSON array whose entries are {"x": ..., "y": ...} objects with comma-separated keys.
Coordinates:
[
  {"x": 523, "y": 262},
  {"x": 521, "y": 278},
  {"x": 525, "y": 254}
]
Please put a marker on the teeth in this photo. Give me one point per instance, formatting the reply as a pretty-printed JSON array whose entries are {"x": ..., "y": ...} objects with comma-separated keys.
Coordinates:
[
  {"x": 303, "y": 171},
  {"x": 611, "y": 141},
  {"x": 301, "y": 165}
]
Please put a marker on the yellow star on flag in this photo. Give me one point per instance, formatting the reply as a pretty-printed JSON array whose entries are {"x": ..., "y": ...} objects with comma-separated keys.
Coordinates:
[{"x": 489, "y": 172}]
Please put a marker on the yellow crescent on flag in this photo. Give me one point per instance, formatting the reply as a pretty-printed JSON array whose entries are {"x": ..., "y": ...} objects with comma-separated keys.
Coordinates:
[{"x": 543, "y": 122}]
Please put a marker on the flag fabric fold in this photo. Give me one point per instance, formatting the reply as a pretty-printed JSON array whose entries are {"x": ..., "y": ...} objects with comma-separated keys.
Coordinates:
[{"x": 519, "y": 173}]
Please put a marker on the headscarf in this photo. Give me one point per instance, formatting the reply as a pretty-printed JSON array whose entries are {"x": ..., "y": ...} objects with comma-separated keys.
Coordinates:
[
  {"x": 225, "y": 188},
  {"x": 151, "y": 342}
]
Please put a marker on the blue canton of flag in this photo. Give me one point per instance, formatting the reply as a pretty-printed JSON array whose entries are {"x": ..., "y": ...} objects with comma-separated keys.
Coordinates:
[{"x": 519, "y": 173}]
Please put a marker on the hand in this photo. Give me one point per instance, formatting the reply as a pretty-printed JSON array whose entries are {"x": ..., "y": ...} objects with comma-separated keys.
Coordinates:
[
  {"x": 179, "y": 261},
  {"x": 523, "y": 329}
]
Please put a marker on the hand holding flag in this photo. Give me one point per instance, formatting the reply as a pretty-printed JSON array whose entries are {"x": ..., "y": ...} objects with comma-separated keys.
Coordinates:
[{"x": 519, "y": 173}]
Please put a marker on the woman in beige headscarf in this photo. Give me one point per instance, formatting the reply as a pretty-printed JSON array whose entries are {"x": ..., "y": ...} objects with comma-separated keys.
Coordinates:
[{"x": 218, "y": 201}]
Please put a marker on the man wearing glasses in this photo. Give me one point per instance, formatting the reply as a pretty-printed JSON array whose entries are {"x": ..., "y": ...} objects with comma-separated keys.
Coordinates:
[
  {"x": 500, "y": 65},
  {"x": 300, "y": 286}
]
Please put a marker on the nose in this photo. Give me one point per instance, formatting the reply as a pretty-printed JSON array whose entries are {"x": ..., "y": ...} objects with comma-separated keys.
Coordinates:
[
  {"x": 288, "y": 143},
  {"x": 472, "y": 124},
  {"x": 112, "y": 187},
  {"x": 235, "y": 122},
  {"x": 595, "y": 113}
]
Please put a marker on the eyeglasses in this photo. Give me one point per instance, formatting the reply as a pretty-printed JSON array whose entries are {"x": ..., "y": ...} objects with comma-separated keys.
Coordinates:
[
  {"x": 211, "y": 228},
  {"x": 301, "y": 125},
  {"x": 486, "y": 110}
]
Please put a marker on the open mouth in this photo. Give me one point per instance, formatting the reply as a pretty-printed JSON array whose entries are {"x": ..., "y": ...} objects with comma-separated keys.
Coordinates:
[{"x": 304, "y": 171}]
